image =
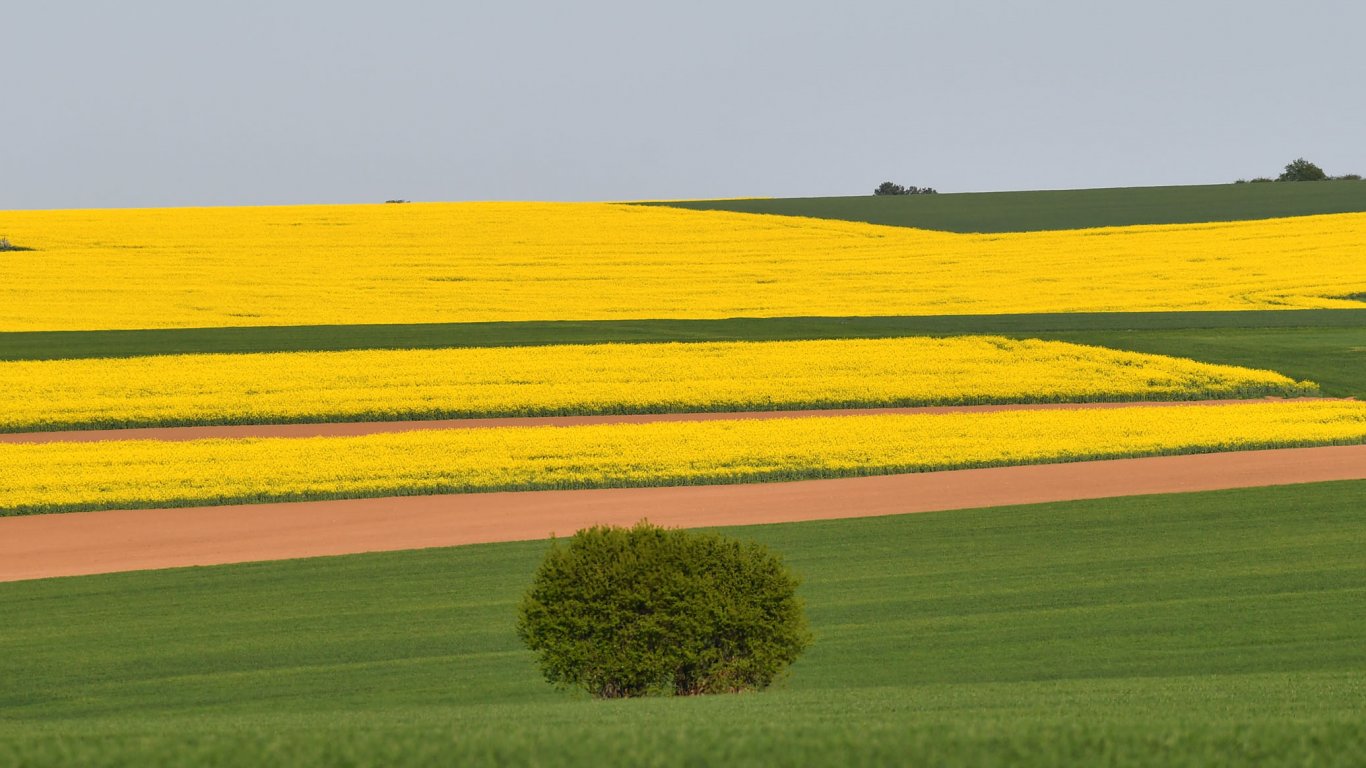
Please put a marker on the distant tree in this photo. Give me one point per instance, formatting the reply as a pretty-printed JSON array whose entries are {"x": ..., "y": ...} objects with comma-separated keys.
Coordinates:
[
  {"x": 888, "y": 188},
  {"x": 1302, "y": 170}
]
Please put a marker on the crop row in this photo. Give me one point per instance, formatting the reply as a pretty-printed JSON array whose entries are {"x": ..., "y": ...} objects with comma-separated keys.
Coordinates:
[
  {"x": 70, "y": 476},
  {"x": 209, "y": 267},
  {"x": 592, "y": 379}
]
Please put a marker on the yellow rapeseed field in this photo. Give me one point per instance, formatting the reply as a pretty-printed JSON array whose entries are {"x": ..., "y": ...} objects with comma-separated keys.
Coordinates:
[
  {"x": 205, "y": 267},
  {"x": 64, "y": 476},
  {"x": 607, "y": 378}
]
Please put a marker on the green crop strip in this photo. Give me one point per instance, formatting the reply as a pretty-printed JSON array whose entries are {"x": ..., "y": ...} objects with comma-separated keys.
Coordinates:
[
  {"x": 1065, "y": 209},
  {"x": 65, "y": 345}
]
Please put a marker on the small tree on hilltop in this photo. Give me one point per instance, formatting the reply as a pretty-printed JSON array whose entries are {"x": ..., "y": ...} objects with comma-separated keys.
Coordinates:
[
  {"x": 1302, "y": 170},
  {"x": 888, "y": 188},
  {"x": 647, "y": 610}
]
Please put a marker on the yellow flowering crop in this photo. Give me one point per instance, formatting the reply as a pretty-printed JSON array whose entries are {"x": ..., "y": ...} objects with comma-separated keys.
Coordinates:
[
  {"x": 204, "y": 267},
  {"x": 607, "y": 378},
  {"x": 64, "y": 476}
]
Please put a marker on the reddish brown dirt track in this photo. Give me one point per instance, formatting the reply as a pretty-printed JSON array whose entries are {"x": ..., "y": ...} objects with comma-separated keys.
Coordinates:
[
  {"x": 102, "y": 542},
  {"x": 349, "y": 429}
]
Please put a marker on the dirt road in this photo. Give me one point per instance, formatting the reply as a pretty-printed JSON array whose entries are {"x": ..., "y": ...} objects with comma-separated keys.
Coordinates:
[{"x": 100, "y": 542}]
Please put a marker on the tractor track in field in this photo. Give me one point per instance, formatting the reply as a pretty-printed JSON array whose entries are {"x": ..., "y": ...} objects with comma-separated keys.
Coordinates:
[
  {"x": 70, "y": 544},
  {"x": 358, "y": 428}
]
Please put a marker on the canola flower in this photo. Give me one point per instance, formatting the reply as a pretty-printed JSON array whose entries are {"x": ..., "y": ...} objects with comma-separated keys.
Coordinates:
[
  {"x": 595, "y": 379},
  {"x": 457, "y": 262},
  {"x": 70, "y": 476}
]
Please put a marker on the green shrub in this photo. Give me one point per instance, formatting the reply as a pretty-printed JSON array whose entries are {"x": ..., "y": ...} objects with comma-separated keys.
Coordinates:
[{"x": 648, "y": 610}]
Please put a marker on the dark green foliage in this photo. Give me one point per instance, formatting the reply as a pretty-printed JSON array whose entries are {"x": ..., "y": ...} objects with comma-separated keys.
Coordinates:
[
  {"x": 1302, "y": 170},
  {"x": 889, "y": 188},
  {"x": 624, "y": 612},
  {"x": 6, "y": 245},
  {"x": 1063, "y": 208}
]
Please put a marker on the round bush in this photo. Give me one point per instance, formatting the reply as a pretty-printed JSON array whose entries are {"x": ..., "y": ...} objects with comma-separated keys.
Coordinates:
[{"x": 648, "y": 610}]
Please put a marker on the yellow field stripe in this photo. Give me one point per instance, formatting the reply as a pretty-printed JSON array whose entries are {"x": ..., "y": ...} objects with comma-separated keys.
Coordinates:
[
  {"x": 58, "y": 476},
  {"x": 608, "y": 378},
  {"x": 455, "y": 262}
]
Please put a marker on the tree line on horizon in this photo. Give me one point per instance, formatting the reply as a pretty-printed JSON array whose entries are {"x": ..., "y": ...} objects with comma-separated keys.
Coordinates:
[{"x": 1302, "y": 170}]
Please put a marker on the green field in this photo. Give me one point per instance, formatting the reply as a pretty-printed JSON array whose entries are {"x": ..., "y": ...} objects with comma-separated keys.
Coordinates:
[
  {"x": 1065, "y": 209},
  {"x": 1218, "y": 628}
]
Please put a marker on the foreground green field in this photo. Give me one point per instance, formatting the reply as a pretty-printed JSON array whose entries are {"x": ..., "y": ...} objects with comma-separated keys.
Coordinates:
[
  {"x": 1064, "y": 209},
  {"x": 1221, "y": 628}
]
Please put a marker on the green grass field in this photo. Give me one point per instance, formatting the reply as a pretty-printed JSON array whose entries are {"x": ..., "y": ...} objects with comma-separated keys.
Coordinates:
[
  {"x": 1219, "y": 628},
  {"x": 1065, "y": 209}
]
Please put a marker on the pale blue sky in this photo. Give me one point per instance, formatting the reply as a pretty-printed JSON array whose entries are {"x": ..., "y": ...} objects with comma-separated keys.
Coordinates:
[{"x": 140, "y": 103}]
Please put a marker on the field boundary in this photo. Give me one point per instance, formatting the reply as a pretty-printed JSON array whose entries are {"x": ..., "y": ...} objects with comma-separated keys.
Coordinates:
[
  {"x": 44, "y": 546},
  {"x": 360, "y": 428}
]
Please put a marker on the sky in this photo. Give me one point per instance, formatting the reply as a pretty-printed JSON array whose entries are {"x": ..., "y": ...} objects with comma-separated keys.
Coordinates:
[{"x": 139, "y": 103}]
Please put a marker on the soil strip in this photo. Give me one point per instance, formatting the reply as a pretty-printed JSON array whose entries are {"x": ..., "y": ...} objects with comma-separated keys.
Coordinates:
[{"x": 77, "y": 543}]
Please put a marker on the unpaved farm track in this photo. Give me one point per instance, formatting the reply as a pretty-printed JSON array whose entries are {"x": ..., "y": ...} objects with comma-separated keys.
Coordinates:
[
  {"x": 352, "y": 429},
  {"x": 102, "y": 542}
]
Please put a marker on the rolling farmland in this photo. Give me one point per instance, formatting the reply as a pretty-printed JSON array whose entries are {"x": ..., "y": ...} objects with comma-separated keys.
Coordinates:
[
  {"x": 56, "y": 477},
  {"x": 1043, "y": 210},
  {"x": 485, "y": 262},
  {"x": 1131, "y": 630}
]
